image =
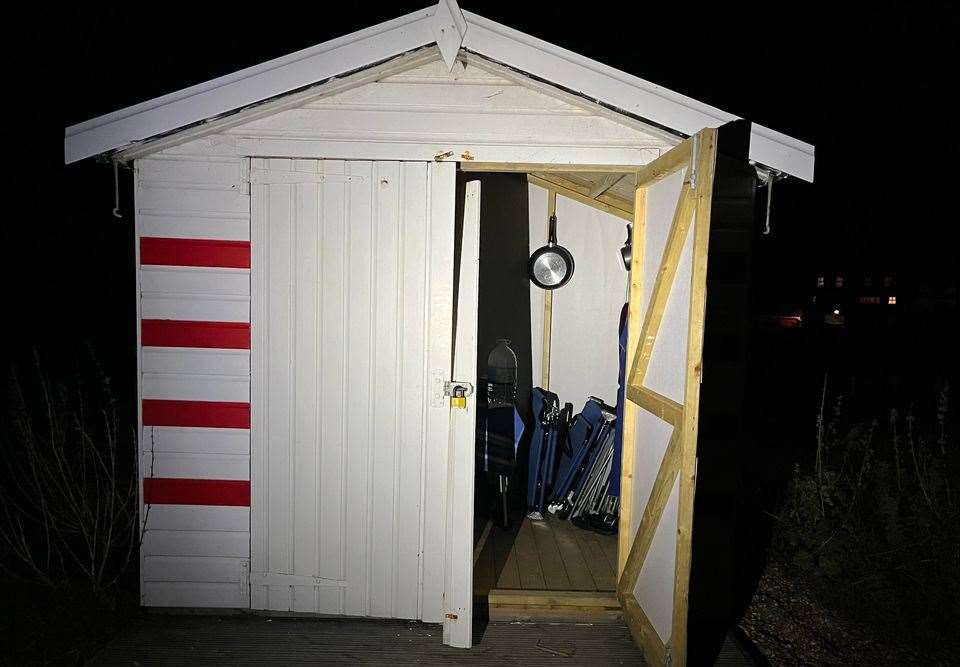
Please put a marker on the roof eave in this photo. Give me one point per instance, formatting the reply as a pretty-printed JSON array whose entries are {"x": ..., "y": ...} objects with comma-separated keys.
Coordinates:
[
  {"x": 633, "y": 95},
  {"x": 249, "y": 86},
  {"x": 630, "y": 95}
]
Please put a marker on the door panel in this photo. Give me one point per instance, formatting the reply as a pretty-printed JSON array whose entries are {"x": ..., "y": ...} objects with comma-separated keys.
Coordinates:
[
  {"x": 458, "y": 619},
  {"x": 352, "y": 275},
  {"x": 665, "y": 345}
]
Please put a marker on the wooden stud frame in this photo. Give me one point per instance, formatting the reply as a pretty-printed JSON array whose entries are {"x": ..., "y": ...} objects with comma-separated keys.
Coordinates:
[
  {"x": 547, "y": 340},
  {"x": 570, "y": 190},
  {"x": 693, "y": 209}
]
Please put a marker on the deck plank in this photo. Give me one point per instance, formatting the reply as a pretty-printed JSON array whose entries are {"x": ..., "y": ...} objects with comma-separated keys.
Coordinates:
[
  {"x": 597, "y": 558},
  {"x": 528, "y": 560},
  {"x": 554, "y": 572},
  {"x": 574, "y": 559},
  {"x": 504, "y": 558},
  {"x": 484, "y": 569},
  {"x": 609, "y": 544},
  {"x": 252, "y": 640}
]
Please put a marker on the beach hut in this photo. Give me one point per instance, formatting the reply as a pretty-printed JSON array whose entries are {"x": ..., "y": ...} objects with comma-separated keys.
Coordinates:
[{"x": 309, "y": 268}]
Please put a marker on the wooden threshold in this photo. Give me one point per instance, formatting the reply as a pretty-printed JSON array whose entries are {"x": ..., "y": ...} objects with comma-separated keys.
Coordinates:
[{"x": 571, "y": 606}]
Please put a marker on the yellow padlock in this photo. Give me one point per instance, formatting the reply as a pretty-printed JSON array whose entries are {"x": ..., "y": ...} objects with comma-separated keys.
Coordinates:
[{"x": 459, "y": 398}]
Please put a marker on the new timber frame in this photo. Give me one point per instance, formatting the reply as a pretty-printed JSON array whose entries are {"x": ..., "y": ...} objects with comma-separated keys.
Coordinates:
[{"x": 695, "y": 157}]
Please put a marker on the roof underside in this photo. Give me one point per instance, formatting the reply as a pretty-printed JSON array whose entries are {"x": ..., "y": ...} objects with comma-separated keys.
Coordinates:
[{"x": 629, "y": 96}]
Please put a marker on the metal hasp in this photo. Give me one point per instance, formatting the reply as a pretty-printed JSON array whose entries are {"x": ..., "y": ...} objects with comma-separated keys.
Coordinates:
[
  {"x": 458, "y": 392},
  {"x": 450, "y": 386}
]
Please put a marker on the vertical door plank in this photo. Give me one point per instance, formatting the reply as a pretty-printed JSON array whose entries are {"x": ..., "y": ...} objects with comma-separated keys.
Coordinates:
[
  {"x": 385, "y": 305},
  {"x": 306, "y": 388},
  {"x": 411, "y": 395},
  {"x": 359, "y": 405},
  {"x": 332, "y": 350},
  {"x": 280, "y": 396}
]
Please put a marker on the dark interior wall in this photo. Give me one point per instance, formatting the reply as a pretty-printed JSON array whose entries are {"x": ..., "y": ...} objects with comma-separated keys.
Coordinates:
[
  {"x": 504, "y": 299},
  {"x": 504, "y": 295},
  {"x": 723, "y": 443}
]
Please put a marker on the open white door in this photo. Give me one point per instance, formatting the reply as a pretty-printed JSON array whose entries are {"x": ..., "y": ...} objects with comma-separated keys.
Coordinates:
[
  {"x": 352, "y": 284},
  {"x": 665, "y": 352},
  {"x": 458, "y": 620}
]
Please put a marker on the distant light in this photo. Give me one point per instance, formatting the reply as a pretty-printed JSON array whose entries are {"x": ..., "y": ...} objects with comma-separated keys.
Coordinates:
[
  {"x": 819, "y": 281},
  {"x": 836, "y": 311},
  {"x": 892, "y": 300}
]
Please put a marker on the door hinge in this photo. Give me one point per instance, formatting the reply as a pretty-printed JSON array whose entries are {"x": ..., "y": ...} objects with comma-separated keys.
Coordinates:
[
  {"x": 694, "y": 162},
  {"x": 245, "y": 580},
  {"x": 243, "y": 185}
]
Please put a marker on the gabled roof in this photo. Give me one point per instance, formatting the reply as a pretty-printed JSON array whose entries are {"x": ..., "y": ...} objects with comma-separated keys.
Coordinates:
[{"x": 451, "y": 30}]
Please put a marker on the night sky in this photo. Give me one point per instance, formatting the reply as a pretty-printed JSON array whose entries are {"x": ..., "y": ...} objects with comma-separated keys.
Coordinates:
[{"x": 868, "y": 87}]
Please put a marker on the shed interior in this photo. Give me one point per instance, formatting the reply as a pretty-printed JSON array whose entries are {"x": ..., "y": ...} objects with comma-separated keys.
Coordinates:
[{"x": 566, "y": 341}]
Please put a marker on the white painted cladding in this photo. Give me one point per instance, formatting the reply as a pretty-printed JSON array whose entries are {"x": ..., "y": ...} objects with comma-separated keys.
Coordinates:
[
  {"x": 352, "y": 276},
  {"x": 466, "y": 114},
  {"x": 586, "y": 311},
  {"x": 193, "y": 555},
  {"x": 384, "y": 322}
]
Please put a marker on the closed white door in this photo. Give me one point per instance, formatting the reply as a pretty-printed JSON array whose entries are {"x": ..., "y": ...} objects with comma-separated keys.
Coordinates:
[{"x": 352, "y": 276}]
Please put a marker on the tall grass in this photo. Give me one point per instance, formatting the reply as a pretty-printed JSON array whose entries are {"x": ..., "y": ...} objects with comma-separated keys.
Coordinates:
[{"x": 872, "y": 521}]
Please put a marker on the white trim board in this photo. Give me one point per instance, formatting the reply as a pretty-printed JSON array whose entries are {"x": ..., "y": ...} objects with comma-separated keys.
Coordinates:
[{"x": 635, "y": 97}]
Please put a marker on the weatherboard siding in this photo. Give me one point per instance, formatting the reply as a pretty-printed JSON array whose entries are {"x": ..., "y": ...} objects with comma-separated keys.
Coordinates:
[
  {"x": 194, "y": 293},
  {"x": 193, "y": 243},
  {"x": 426, "y": 112}
]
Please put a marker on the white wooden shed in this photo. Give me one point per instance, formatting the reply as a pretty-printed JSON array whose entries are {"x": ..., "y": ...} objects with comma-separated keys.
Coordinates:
[{"x": 295, "y": 231}]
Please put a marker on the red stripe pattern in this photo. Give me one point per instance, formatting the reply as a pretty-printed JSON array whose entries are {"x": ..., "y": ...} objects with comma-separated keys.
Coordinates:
[
  {"x": 174, "y": 491},
  {"x": 191, "y": 333},
  {"x": 196, "y": 334},
  {"x": 204, "y": 414},
  {"x": 195, "y": 252}
]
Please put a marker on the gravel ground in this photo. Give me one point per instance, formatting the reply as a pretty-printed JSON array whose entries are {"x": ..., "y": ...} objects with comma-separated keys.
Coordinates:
[{"x": 790, "y": 627}]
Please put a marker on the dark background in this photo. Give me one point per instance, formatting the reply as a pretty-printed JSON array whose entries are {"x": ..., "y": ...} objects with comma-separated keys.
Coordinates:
[{"x": 870, "y": 86}]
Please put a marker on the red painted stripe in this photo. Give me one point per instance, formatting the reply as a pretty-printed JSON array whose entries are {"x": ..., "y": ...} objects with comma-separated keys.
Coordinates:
[
  {"x": 195, "y": 252},
  {"x": 191, "y": 333},
  {"x": 173, "y": 491},
  {"x": 209, "y": 414}
]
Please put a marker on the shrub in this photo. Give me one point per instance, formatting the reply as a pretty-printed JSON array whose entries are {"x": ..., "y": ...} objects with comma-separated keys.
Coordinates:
[
  {"x": 68, "y": 497},
  {"x": 872, "y": 520}
]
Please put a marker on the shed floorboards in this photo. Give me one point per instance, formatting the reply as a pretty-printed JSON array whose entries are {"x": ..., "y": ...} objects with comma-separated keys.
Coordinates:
[{"x": 548, "y": 555}]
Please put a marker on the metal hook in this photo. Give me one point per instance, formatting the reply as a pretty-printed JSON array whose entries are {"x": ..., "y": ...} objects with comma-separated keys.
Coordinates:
[
  {"x": 116, "y": 192},
  {"x": 771, "y": 177}
]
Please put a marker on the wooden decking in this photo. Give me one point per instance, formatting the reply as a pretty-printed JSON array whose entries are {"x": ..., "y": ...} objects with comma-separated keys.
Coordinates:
[
  {"x": 251, "y": 640},
  {"x": 548, "y": 555}
]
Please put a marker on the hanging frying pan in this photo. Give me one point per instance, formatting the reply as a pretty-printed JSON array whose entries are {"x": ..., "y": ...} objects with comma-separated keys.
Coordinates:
[{"x": 551, "y": 266}]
